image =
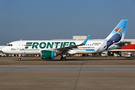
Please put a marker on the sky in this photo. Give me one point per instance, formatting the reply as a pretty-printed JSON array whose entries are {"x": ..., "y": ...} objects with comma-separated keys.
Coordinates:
[{"x": 63, "y": 19}]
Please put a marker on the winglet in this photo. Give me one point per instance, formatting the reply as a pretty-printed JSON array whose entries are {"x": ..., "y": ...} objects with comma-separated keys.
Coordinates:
[{"x": 86, "y": 40}]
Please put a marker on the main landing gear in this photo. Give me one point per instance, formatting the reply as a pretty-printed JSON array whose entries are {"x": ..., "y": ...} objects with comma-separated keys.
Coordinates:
[{"x": 63, "y": 58}]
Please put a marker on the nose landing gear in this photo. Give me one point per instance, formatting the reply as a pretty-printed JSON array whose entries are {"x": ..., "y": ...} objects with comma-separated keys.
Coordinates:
[
  {"x": 64, "y": 58},
  {"x": 19, "y": 58}
]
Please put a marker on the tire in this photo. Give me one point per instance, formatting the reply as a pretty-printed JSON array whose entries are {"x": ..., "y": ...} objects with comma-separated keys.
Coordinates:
[
  {"x": 19, "y": 59},
  {"x": 64, "y": 58}
]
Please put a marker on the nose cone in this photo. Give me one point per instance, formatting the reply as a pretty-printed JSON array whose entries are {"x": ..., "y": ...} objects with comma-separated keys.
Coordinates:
[{"x": 5, "y": 50}]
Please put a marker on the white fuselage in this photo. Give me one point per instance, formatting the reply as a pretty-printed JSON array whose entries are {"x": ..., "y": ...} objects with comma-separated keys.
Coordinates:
[{"x": 35, "y": 46}]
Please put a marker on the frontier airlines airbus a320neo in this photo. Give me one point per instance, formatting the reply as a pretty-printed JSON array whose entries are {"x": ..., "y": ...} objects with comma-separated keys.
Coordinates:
[{"x": 51, "y": 48}]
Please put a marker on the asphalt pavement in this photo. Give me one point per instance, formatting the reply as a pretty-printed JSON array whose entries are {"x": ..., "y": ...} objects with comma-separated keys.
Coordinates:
[
  {"x": 78, "y": 73},
  {"x": 67, "y": 68}
]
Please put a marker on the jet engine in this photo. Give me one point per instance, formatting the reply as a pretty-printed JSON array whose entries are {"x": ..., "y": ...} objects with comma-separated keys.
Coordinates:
[{"x": 46, "y": 54}]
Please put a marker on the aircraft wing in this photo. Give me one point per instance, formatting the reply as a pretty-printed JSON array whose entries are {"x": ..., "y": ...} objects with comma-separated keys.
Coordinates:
[{"x": 64, "y": 49}]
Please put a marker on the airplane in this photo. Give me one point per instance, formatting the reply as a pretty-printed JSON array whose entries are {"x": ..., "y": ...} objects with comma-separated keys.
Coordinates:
[{"x": 48, "y": 49}]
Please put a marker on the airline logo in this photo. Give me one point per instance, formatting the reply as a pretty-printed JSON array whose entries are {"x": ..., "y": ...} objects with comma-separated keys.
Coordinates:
[
  {"x": 118, "y": 29},
  {"x": 47, "y": 45}
]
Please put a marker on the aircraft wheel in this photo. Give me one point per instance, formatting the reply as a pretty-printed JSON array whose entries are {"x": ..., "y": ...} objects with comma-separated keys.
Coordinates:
[
  {"x": 19, "y": 59},
  {"x": 61, "y": 58},
  {"x": 64, "y": 58}
]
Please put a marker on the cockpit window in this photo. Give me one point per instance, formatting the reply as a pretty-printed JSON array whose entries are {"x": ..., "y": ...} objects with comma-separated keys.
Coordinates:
[
  {"x": 10, "y": 45},
  {"x": 7, "y": 44}
]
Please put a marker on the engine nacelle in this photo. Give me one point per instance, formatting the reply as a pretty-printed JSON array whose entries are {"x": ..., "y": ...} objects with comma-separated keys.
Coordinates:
[{"x": 46, "y": 54}]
